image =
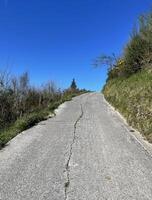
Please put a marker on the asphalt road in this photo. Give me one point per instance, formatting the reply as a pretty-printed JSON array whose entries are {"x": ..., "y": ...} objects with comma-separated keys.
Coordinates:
[{"x": 86, "y": 152}]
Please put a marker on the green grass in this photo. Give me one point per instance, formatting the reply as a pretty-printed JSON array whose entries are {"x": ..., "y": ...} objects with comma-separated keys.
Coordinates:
[
  {"x": 21, "y": 125},
  {"x": 31, "y": 119},
  {"x": 133, "y": 98}
]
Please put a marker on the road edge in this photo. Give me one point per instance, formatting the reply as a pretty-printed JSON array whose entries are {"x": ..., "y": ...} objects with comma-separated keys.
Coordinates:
[{"x": 132, "y": 131}]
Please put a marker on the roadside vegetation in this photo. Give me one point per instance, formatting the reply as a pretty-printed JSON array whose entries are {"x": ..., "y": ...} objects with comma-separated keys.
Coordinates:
[
  {"x": 23, "y": 105},
  {"x": 129, "y": 83}
]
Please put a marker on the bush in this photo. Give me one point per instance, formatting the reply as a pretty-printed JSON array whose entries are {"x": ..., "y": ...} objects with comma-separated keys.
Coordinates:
[
  {"x": 118, "y": 70},
  {"x": 134, "y": 55},
  {"x": 137, "y": 53}
]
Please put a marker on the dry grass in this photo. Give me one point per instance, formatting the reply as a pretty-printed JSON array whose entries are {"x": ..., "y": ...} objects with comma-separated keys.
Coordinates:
[{"x": 133, "y": 98}]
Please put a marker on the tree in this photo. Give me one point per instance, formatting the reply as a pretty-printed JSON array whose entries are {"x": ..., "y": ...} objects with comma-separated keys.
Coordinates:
[
  {"x": 24, "y": 83},
  {"x": 73, "y": 85}
]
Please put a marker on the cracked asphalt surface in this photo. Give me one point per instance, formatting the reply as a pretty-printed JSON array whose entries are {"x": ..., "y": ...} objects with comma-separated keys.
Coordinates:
[{"x": 86, "y": 152}]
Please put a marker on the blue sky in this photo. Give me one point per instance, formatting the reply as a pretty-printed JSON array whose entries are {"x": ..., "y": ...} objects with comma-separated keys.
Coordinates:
[{"x": 58, "y": 39}]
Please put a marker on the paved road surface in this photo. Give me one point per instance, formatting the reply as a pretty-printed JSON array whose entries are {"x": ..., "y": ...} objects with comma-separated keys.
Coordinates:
[{"x": 86, "y": 152}]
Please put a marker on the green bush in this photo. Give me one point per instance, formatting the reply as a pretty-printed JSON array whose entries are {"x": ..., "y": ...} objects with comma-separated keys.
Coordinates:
[
  {"x": 119, "y": 70},
  {"x": 137, "y": 53},
  {"x": 134, "y": 55}
]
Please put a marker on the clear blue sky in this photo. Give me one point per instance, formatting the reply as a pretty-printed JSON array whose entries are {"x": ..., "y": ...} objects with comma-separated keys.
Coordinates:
[{"x": 58, "y": 39}]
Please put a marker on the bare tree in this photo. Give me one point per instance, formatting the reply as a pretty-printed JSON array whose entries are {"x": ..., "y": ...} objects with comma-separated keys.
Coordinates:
[{"x": 105, "y": 60}]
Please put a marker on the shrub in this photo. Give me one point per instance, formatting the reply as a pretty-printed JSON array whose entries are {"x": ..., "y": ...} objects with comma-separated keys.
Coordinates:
[
  {"x": 118, "y": 70},
  {"x": 134, "y": 54},
  {"x": 137, "y": 54}
]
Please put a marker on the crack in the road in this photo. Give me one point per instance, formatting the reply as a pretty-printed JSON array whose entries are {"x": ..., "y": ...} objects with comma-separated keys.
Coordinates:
[{"x": 66, "y": 185}]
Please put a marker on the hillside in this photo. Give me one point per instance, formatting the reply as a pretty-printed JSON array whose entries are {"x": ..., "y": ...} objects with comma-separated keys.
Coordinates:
[
  {"x": 129, "y": 83},
  {"x": 132, "y": 97}
]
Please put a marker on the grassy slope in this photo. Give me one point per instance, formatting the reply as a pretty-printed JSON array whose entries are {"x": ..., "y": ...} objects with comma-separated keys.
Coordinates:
[
  {"x": 30, "y": 120},
  {"x": 133, "y": 98}
]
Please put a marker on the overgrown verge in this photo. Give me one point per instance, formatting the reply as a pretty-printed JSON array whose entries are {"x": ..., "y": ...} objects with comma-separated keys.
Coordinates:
[
  {"x": 22, "y": 105},
  {"x": 129, "y": 82},
  {"x": 32, "y": 119},
  {"x": 132, "y": 97}
]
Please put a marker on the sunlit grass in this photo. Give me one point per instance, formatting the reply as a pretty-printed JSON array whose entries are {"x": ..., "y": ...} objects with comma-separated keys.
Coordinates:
[{"x": 133, "y": 98}]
